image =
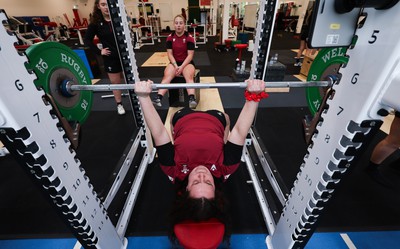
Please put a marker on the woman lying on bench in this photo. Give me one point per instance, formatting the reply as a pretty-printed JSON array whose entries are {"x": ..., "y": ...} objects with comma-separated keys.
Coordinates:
[{"x": 201, "y": 154}]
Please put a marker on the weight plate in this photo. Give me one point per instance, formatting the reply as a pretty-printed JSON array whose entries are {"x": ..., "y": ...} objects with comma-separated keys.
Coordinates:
[
  {"x": 54, "y": 64},
  {"x": 327, "y": 62}
]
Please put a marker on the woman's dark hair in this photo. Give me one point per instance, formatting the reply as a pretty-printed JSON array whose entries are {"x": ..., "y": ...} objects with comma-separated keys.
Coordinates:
[
  {"x": 96, "y": 16},
  {"x": 198, "y": 209}
]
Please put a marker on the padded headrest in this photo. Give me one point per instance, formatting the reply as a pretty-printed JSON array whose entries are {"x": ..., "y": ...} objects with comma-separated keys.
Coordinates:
[{"x": 200, "y": 235}]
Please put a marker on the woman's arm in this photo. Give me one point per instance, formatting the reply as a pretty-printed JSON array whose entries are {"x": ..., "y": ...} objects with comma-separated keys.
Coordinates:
[
  {"x": 153, "y": 120},
  {"x": 188, "y": 58},
  {"x": 239, "y": 132},
  {"x": 88, "y": 39},
  {"x": 171, "y": 57}
]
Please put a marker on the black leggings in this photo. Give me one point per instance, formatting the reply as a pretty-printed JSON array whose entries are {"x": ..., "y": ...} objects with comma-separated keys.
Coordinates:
[{"x": 186, "y": 110}]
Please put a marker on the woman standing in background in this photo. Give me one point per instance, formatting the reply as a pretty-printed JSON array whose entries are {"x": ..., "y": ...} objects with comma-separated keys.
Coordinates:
[{"x": 100, "y": 26}]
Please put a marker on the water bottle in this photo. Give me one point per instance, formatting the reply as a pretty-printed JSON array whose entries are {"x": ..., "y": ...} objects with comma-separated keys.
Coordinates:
[
  {"x": 237, "y": 65},
  {"x": 243, "y": 66}
]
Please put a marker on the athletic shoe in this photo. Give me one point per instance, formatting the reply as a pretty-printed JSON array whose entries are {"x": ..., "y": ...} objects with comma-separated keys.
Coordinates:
[
  {"x": 192, "y": 102},
  {"x": 298, "y": 64},
  {"x": 157, "y": 101},
  {"x": 120, "y": 109}
]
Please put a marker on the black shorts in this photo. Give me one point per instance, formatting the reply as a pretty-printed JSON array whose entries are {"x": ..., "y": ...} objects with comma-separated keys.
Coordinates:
[
  {"x": 186, "y": 110},
  {"x": 180, "y": 63},
  {"x": 304, "y": 32},
  {"x": 112, "y": 65}
]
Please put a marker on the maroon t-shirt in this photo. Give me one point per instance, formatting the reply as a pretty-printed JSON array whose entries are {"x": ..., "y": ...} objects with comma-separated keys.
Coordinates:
[
  {"x": 180, "y": 45},
  {"x": 199, "y": 140}
]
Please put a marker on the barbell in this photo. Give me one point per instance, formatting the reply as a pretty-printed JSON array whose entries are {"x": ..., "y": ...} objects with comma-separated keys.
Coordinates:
[
  {"x": 62, "y": 74},
  {"x": 68, "y": 87}
]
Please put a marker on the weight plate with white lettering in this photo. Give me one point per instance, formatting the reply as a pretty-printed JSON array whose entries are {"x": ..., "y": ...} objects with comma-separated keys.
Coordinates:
[
  {"x": 54, "y": 64},
  {"x": 327, "y": 63}
]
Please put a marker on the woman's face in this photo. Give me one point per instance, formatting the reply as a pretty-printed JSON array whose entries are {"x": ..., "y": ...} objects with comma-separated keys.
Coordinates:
[
  {"x": 103, "y": 7},
  {"x": 201, "y": 183},
  {"x": 179, "y": 25}
]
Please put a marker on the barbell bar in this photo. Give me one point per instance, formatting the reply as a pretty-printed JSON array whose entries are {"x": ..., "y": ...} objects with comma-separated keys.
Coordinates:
[{"x": 70, "y": 87}]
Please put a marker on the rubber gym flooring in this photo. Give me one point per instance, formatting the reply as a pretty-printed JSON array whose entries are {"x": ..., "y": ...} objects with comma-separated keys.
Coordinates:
[{"x": 361, "y": 214}]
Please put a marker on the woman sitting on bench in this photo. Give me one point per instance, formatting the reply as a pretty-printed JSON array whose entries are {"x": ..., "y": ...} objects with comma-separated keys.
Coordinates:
[{"x": 180, "y": 50}]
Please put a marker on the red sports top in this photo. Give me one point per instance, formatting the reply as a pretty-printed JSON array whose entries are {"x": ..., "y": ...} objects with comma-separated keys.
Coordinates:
[
  {"x": 199, "y": 140},
  {"x": 180, "y": 45}
]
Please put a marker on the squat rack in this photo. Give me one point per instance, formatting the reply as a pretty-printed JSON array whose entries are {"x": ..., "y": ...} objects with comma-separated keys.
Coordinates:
[{"x": 350, "y": 118}]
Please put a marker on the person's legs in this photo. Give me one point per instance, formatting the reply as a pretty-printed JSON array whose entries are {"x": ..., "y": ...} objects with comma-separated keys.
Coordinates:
[
  {"x": 389, "y": 144},
  {"x": 310, "y": 51},
  {"x": 383, "y": 150},
  {"x": 301, "y": 48},
  {"x": 188, "y": 73},
  {"x": 303, "y": 45},
  {"x": 114, "y": 72},
  {"x": 300, "y": 53},
  {"x": 115, "y": 78},
  {"x": 169, "y": 74}
]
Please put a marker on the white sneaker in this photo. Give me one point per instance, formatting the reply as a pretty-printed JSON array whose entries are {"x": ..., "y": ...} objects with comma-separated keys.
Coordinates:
[
  {"x": 298, "y": 64},
  {"x": 121, "y": 110},
  {"x": 157, "y": 101}
]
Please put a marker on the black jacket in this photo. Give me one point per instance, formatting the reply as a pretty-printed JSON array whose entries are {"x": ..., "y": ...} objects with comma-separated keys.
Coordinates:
[{"x": 104, "y": 32}]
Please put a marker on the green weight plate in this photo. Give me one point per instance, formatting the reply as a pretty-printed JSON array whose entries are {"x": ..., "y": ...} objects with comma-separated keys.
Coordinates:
[
  {"x": 54, "y": 64},
  {"x": 327, "y": 62}
]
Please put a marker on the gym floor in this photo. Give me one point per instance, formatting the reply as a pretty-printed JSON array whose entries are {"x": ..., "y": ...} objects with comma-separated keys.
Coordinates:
[{"x": 361, "y": 214}]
